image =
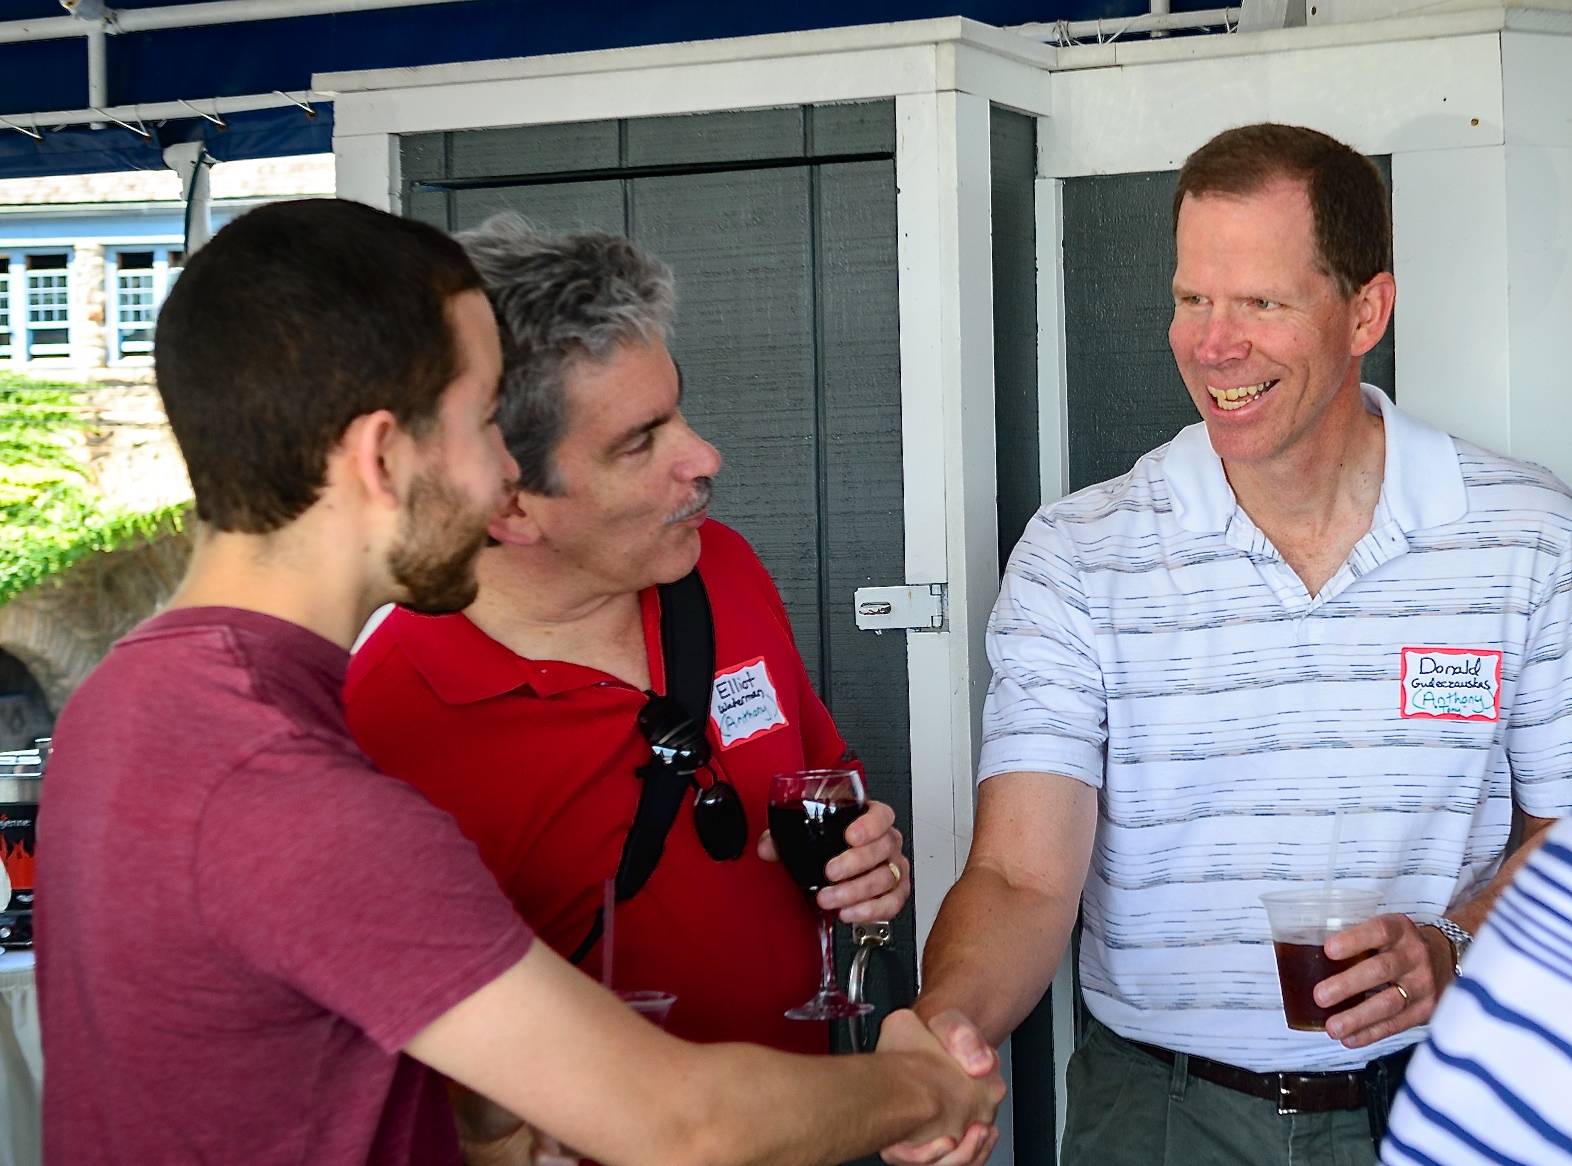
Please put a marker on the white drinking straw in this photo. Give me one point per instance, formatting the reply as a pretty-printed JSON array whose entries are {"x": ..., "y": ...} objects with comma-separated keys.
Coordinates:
[
  {"x": 1331, "y": 854},
  {"x": 608, "y": 932}
]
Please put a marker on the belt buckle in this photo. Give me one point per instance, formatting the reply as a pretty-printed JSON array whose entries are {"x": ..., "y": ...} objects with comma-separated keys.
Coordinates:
[{"x": 1284, "y": 1108}]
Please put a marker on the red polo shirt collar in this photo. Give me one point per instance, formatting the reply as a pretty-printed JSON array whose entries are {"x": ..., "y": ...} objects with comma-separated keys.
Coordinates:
[{"x": 463, "y": 665}]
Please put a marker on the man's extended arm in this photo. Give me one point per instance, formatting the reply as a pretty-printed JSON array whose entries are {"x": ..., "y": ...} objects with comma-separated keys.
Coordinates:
[
  {"x": 1003, "y": 928},
  {"x": 1416, "y": 957},
  {"x": 563, "y": 1053}
]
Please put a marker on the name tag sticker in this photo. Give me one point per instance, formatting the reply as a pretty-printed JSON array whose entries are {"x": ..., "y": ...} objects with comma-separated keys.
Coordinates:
[
  {"x": 743, "y": 705},
  {"x": 1452, "y": 684}
]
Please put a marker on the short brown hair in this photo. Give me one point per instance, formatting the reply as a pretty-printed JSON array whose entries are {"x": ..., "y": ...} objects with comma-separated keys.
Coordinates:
[
  {"x": 1348, "y": 200},
  {"x": 297, "y": 318}
]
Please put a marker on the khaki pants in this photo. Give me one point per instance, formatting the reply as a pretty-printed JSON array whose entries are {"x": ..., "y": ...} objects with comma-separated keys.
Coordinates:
[{"x": 1128, "y": 1109}]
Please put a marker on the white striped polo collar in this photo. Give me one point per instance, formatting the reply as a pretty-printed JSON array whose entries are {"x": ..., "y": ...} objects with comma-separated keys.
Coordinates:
[{"x": 1422, "y": 485}]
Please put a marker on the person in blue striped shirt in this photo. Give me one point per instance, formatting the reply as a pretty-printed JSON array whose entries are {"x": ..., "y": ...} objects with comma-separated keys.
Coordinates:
[
  {"x": 1312, "y": 635},
  {"x": 1493, "y": 1084}
]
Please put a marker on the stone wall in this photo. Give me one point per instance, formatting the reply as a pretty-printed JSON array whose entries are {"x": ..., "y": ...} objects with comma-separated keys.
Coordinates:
[
  {"x": 62, "y": 628},
  {"x": 87, "y": 306},
  {"x": 130, "y": 453}
]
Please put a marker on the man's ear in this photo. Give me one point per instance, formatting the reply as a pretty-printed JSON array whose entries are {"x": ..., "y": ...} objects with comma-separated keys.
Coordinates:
[
  {"x": 376, "y": 458},
  {"x": 514, "y": 522},
  {"x": 1373, "y": 305}
]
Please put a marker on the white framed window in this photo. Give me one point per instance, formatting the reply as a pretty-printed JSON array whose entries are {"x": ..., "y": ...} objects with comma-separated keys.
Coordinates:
[
  {"x": 48, "y": 291},
  {"x": 5, "y": 306},
  {"x": 139, "y": 278},
  {"x": 13, "y": 267},
  {"x": 134, "y": 302}
]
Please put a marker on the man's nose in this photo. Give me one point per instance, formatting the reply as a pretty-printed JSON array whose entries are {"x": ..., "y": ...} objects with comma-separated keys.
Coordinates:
[
  {"x": 1221, "y": 340},
  {"x": 699, "y": 460}
]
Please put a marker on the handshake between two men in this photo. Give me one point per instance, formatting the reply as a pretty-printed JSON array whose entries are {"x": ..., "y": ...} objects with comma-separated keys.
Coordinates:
[{"x": 928, "y": 1095}]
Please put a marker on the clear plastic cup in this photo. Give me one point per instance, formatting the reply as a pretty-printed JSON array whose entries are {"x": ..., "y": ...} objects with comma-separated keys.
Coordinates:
[
  {"x": 653, "y": 1006},
  {"x": 1302, "y": 921}
]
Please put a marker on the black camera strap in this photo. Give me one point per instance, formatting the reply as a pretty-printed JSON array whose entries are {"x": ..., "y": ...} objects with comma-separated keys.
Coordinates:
[{"x": 687, "y": 642}]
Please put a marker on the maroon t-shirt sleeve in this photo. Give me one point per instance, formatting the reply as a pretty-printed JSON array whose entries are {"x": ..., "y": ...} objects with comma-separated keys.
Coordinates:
[{"x": 377, "y": 908}]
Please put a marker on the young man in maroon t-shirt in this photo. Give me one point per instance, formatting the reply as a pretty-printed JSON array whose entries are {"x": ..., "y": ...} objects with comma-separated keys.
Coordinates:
[
  {"x": 252, "y": 943},
  {"x": 519, "y": 716}
]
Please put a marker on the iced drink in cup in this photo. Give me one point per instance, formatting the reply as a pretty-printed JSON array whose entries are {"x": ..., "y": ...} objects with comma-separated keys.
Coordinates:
[
  {"x": 653, "y": 1006},
  {"x": 1302, "y": 921}
]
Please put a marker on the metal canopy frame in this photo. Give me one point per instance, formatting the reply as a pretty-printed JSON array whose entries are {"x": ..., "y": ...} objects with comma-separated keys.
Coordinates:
[{"x": 94, "y": 21}]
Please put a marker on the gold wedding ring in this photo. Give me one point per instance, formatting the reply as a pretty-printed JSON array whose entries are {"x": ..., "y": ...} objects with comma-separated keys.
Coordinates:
[
  {"x": 896, "y": 871},
  {"x": 1402, "y": 993}
]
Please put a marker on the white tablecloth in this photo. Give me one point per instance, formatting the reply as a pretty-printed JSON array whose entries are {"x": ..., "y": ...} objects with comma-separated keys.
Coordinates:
[{"x": 21, "y": 1061}]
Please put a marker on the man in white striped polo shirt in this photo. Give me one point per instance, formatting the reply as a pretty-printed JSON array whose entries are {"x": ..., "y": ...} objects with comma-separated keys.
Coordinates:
[{"x": 1310, "y": 614}]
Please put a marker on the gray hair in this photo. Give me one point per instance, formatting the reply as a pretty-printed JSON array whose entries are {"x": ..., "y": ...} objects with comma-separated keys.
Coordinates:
[{"x": 559, "y": 300}]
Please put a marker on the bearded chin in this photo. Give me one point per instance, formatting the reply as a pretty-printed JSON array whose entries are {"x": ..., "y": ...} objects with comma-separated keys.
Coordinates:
[{"x": 435, "y": 563}]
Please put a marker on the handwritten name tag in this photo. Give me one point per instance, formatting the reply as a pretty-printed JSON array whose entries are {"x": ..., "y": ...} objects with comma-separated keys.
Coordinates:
[
  {"x": 1452, "y": 684},
  {"x": 743, "y": 705}
]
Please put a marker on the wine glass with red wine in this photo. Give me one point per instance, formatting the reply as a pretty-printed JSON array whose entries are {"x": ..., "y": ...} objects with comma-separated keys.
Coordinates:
[{"x": 809, "y": 813}]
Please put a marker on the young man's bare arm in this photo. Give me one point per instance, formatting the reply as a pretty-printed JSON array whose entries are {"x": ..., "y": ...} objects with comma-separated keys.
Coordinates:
[
  {"x": 1003, "y": 928},
  {"x": 568, "y": 1057}
]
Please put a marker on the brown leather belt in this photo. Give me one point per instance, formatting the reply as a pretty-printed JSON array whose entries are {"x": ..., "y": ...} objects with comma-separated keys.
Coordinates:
[{"x": 1293, "y": 1092}]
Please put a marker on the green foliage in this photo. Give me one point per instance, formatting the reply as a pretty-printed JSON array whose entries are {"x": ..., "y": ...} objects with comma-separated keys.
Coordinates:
[{"x": 50, "y": 514}]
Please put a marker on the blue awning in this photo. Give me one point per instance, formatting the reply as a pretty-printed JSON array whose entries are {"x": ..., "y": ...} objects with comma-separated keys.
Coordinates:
[{"x": 260, "y": 57}]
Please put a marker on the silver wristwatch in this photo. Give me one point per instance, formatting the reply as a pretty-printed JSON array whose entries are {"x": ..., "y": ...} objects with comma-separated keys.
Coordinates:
[{"x": 1455, "y": 935}]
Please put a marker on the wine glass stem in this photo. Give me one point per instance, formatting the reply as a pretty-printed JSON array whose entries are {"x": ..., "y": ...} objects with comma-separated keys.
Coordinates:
[{"x": 826, "y": 955}]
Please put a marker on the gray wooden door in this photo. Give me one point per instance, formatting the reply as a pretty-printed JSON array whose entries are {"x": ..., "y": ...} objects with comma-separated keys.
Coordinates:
[{"x": 780, "y": 228}]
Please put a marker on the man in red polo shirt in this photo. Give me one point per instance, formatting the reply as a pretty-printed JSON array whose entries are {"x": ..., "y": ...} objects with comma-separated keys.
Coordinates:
[{"x": 518, "y": 715}]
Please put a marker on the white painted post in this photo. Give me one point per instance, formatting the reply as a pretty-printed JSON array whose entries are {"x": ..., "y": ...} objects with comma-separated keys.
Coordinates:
[
  {"x": 1053, "y": 428},
  {"x": 1053, "y": 402},
  {"x": 367, "y": 169},
  {"x": 946, "y": 304},
  {"x": 1537, "y": 92}
]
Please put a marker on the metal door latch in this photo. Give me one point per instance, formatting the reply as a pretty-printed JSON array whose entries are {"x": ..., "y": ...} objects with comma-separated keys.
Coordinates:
[
  {"x": 866, "y": 936},
  {"x": 913, "y": 607}
]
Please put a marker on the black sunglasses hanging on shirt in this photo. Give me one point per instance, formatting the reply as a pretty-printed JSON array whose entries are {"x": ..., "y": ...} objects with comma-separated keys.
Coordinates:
[
  {"x": 718, "y": 816},
  {"x": 674, "y": 727}
]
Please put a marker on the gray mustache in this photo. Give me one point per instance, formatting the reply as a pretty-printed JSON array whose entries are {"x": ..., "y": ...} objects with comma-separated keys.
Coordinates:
[{"x": 703, "y": 491}]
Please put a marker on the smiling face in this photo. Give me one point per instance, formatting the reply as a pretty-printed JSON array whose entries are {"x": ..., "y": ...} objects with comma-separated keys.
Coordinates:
[
  {"x": 1267, "y": 348},
  {"x": 635, "y": 480}
]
